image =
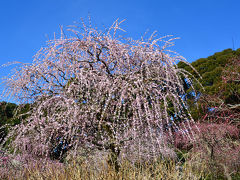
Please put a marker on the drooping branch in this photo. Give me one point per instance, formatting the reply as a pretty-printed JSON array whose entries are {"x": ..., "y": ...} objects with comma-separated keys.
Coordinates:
[{"x": 100, "y": 91}]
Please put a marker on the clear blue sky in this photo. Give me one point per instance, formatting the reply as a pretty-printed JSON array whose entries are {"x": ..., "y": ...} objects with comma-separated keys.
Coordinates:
[{"x": 204, "y": 26}]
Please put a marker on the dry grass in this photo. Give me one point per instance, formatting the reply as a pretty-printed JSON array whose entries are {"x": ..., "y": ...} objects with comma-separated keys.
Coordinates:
[
  {"x": 84, "y": 171},
  {"x": 191, "y": 166}
]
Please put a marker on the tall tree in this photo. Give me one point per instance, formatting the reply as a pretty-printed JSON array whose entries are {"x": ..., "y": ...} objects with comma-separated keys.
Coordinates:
[{"x": 98, "y": 90}]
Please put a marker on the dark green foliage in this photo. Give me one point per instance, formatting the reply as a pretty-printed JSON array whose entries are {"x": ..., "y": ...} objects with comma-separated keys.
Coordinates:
[
  {"x": 213, "y": 69},
  {"x": 6, "y": 114},
  {"x": 10, "y": 115}
]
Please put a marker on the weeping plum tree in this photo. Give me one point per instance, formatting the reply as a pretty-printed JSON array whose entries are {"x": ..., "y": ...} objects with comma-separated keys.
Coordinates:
[{"x": 97, "y": 90}]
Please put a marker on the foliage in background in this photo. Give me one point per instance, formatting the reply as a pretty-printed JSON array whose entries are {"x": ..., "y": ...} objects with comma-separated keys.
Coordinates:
[
  {"x": 220, "y": 78},
  {"x": 11, "y": 115}
]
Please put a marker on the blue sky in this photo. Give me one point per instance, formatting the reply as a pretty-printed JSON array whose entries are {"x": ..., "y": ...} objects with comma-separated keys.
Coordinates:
[{"x": 204, "y": 26}]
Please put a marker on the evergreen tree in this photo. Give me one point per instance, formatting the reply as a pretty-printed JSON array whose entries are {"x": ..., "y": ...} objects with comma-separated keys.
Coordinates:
[{"x": 219, "y": 75}]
